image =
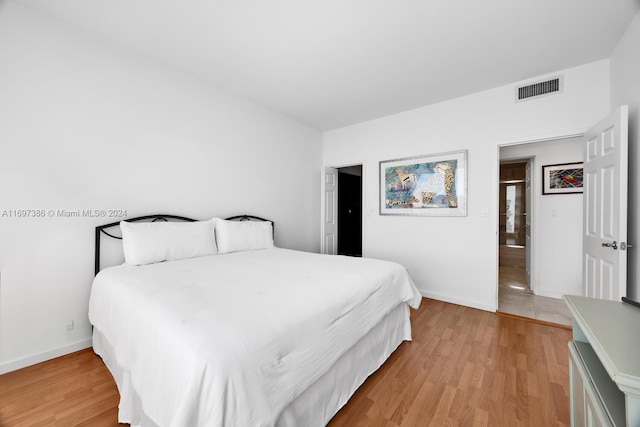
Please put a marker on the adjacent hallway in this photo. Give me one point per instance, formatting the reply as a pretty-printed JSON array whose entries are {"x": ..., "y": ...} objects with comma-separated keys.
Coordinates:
[{"x": 514, "y": 297}]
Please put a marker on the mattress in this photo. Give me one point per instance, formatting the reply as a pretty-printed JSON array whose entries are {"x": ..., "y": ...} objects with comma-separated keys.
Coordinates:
[{"x": 236, "y": 339}]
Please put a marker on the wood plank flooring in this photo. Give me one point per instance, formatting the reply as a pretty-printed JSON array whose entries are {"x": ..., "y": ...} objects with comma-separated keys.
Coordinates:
[
  {"x": 464, "y": 367},
  {"x": 73, "y": 390}
]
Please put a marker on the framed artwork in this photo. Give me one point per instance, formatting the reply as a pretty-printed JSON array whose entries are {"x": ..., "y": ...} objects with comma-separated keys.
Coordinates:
[
  {"x": 564, "y": 178},
  {"x": 433, "y": 185}
]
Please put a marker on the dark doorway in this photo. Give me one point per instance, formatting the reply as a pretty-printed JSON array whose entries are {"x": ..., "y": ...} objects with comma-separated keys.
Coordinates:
[{"x": 350, "y": 211}]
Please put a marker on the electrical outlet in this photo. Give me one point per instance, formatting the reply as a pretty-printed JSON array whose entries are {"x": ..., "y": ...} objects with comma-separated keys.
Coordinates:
[{"x": 70, "y": 325}]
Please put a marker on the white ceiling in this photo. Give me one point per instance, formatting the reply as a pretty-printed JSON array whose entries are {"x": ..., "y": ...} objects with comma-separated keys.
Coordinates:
[{"x": 331, "y": 63}]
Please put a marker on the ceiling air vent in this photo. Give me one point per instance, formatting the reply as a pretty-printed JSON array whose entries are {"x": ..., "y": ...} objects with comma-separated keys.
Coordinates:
[{"x": 535, "y": 90}]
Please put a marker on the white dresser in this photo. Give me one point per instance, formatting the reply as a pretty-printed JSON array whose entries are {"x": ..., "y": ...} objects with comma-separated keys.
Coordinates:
[{"x": 604, "y": 363}]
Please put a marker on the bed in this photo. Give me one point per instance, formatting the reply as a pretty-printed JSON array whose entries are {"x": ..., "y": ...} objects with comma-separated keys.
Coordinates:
[{"x": 242, "y": 333}]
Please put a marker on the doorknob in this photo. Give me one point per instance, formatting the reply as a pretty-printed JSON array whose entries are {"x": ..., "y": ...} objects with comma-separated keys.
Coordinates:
[{"x": 613, "y": 245}]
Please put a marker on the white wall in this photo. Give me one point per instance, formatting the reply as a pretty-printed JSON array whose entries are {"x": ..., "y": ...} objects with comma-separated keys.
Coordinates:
[
  {"x": 625, "y": 89},
  {"x": 85, "y": 124},
  {"x": 455, "y": 259},
  {"x": 556, "y": 220}
]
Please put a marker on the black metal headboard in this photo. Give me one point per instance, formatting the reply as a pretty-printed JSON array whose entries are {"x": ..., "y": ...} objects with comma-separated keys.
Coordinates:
[
  {"x": 247, "y": 218},
  {"x": 101, "y": 229}
]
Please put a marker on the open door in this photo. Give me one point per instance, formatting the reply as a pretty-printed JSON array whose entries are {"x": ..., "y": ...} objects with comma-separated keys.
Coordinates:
[
  {"x": 604, "y": 262},
  {"x": 350, "y": 211},
  {"x": 330, "y": 225}
]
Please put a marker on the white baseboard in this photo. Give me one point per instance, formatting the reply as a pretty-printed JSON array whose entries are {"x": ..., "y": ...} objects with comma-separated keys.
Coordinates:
[
  {"x": 466, "y": 303},
  {"x": 23, "y": 362}
]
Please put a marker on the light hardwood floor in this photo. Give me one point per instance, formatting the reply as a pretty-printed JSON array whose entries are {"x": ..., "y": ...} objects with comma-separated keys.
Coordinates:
[{"x": 464, "y": 367}]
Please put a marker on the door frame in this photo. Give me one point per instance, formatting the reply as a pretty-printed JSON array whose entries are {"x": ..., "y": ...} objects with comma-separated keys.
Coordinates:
[
  {"x": 580, "y": 133},
  {"x": 364, "y": 213}
]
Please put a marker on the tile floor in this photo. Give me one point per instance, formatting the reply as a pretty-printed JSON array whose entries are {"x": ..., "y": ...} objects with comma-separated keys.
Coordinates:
[{"x": 514, "y": 297}]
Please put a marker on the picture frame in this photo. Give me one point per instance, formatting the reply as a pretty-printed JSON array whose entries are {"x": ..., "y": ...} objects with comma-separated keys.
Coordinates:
[
  {"x": 430, "y": 185},
  {"x": 563, "y": 178}
]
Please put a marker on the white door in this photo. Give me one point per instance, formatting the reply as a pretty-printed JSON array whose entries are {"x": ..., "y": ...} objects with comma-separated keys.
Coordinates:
[
  {"x": 604, "y": 263},
  {"x": 330, "y": 224}
]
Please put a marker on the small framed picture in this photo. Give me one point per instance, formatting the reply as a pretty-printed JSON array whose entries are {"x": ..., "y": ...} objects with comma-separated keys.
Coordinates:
[{"x": 564, "y": 178}]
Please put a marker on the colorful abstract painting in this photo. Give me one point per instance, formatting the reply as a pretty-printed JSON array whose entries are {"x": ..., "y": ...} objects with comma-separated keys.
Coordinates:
[
  {"x": 426, "y": 185},
  {"x": 565, "y": 178}
]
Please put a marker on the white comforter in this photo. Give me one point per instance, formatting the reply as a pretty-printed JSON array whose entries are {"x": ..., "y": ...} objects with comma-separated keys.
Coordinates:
[{"x": 230, "y": 340}]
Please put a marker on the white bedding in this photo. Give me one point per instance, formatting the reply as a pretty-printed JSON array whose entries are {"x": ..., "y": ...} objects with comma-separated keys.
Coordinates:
[{"x": 231, "y": 340}]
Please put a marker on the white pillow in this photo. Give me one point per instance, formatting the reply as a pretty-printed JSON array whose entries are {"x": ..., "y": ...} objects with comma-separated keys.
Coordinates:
[
  {"x": 235, "y": 236},
  {"x": 151, "y": 242}
]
